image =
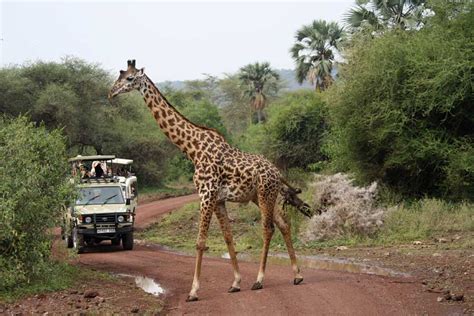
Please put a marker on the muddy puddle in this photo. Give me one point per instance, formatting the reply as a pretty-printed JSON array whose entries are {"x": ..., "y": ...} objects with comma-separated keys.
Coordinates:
[
  {"x": 323, "y": 263},
  {"x": 146, "y": 284}
]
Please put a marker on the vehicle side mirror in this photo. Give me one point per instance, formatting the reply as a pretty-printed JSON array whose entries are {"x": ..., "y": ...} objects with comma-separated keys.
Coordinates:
[{"x": 127, "y": 202}]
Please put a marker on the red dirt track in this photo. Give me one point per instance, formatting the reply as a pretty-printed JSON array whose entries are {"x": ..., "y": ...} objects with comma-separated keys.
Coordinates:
[{"x": 321, "y": 293}]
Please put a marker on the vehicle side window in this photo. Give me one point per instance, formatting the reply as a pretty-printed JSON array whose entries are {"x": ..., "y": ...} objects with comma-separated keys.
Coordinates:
[{"x": 134, "y": 190}]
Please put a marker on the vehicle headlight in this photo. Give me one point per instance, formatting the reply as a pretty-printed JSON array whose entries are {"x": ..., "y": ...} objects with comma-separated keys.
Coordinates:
[
  {"x": 88, "y": 220},
  {"x": 120, "y": 218}
]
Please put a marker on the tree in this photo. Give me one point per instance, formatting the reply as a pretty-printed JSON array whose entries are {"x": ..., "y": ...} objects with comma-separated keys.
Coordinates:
[
  {"x": 35, "y": 187},
  {"x": 257, "y": 79},
  {"x": 314, "y": 51},
  {"x": 384, "y": 14},
  {"x": 402, "y": 112}
]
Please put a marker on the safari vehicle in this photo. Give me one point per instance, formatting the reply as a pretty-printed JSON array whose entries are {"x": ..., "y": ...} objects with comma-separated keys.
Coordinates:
[{"x": 105, "y": 205}]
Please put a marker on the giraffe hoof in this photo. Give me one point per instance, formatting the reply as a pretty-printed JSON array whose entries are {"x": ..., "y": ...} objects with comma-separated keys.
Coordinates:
[
  {"x": 257, "y": 286},
  {"x": 297, "y": 281},
  {"x": 192, "y": 298},
  {"x": 233, "y": 289}
]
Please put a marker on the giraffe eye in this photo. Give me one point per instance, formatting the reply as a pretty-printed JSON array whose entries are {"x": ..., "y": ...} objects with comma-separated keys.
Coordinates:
[{"x": 130, "y": 78}]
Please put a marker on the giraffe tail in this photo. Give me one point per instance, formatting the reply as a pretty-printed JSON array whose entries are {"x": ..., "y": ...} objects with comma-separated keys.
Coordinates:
[{"x": 290, "y": 197}]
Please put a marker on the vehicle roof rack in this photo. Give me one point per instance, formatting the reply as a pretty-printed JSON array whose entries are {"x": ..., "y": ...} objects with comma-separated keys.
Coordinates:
[
  {"x": 91, "y": 158},
  {"x": 122, "y": 161},
  {"x": 113, "y": 179}
]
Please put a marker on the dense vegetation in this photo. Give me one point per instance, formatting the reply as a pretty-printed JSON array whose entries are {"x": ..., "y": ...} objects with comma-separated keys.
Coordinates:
[
  {"x": 34, "y": 189},
  {"x": 402, "y": 110}
]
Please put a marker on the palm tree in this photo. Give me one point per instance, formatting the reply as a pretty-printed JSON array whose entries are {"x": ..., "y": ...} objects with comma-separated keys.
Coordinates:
[
  {"x": 314, "y": 50},
  {"x": 383, "y": 14},
  {"x": 258, "y": 79}
]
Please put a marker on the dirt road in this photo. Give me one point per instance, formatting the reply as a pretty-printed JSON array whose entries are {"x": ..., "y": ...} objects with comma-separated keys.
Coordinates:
[{"x": 322, "y": 292}]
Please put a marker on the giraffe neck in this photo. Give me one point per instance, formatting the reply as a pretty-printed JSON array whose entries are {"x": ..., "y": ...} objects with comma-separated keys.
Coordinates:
[{"x": 183, "y": 133}]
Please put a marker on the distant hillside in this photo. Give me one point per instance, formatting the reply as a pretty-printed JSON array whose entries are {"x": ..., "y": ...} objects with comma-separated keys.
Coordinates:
[{"x": 287, "y": 76}]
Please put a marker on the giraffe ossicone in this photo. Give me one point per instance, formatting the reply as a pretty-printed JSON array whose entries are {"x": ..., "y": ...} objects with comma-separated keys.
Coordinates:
[{"x": 222, "y": 174}]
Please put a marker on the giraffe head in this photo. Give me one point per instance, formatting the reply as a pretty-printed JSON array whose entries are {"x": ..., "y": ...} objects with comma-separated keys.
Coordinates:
[{"x": 128, "y": 80}]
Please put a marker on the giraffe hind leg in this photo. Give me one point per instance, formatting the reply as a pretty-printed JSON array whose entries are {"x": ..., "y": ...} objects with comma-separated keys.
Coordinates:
[
  {"x": 284, "y": 226},
  {"x": 266, "y": 202},
  {"x": 221, "y": 214}
]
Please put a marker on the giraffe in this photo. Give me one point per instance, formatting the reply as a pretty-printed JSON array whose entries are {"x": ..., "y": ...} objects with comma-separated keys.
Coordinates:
[{"x": 222, "y": 173}]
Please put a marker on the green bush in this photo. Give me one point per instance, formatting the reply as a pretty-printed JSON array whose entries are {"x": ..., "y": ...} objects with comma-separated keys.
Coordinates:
[
  {"x": 34, "y": 186},
  {"x": 402, "y": 112},
  {"x": 293, "y": 134}
]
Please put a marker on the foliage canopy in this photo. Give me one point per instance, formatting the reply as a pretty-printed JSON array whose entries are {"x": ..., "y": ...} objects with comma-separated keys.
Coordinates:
[{"x": 402, "y": 111}]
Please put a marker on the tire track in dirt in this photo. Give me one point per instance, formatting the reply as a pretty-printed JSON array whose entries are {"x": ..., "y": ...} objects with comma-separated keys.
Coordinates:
[{"x": 322, "y": 292}]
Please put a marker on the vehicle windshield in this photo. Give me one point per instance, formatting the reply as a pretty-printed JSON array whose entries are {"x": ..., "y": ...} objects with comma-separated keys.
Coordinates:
[{"x": 100, "y": 196}]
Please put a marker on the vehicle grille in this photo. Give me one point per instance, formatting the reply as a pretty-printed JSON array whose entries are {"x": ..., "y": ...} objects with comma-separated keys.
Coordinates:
[{"x": 104, "y": 218}]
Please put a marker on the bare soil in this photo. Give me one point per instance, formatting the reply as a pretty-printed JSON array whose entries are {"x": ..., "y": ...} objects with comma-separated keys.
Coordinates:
[
  {"x": 321, "y": 293},
  {"x": 439, "y": 267},
  {"x": 93, "y": 297}
]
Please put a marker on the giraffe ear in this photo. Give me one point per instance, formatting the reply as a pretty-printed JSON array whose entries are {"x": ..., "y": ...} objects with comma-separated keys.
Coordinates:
[{"x": 141, "y": 72}]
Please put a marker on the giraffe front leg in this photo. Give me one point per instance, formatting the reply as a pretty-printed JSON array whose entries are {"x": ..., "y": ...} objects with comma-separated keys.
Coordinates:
[
  {"x": 221, "y": 214},
  {"x": 207, "y": 208}
]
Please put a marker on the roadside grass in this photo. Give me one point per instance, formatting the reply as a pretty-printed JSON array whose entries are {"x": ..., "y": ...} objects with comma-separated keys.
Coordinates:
[
  {"x": 57, "y": 276},
  {"x": 425, "y": 219},
  {"x": 150, "y": 193},
  {"x": 179, "y": 230}
]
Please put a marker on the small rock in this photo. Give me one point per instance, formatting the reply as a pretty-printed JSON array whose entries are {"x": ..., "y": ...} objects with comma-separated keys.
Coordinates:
[
  {"x": 91, "y": 294},
  {"x": 457, "y": 297},
  {"x": 440, "y": 299},
  {"x": 417, "y": 243},
  {"x": 441, "y": 240},
  {"x": 135, "y": 310},
  {"x": 341, "y": 248},
  {"x": 386, "y": 254},
  {"x": 436, "y": 254},
  {"x": 101, "y": 299},
  {"x": 457, "y": 237}
]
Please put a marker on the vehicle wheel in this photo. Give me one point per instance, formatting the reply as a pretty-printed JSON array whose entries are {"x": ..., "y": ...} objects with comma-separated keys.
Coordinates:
[
  {"x": 116, "y": 241},
  {"x": 77, "y": 241},
  {"x": 127, "y": 241},
  {"x": 69, "y": 241}
]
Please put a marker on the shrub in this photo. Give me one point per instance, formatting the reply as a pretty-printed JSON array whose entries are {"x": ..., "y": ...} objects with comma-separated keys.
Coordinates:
[
  {"x": 402, "y": 112},
  {"x": 33, "y": 187},
  {"x": 293, "y": 134},
  {"x": 347, "y": 210}
]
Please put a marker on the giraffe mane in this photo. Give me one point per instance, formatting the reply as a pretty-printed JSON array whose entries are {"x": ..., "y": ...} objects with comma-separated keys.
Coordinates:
[{"x": 182, "y": 116}]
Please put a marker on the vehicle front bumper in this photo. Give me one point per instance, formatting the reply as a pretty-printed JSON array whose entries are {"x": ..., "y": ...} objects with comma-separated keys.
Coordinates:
[{"x": 93, "y": 232}]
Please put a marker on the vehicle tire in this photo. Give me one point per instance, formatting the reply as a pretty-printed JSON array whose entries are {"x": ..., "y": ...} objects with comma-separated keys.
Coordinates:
[
  {"x": 77, "y": 241},
  {"x": 115, "y": 241},
  {"x": 69, "y": 241},
  {"x": 127, "y": 241}
]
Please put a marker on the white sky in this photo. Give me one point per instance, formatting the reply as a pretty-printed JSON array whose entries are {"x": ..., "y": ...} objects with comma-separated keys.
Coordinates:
[{"x": 173, "y": 40}]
